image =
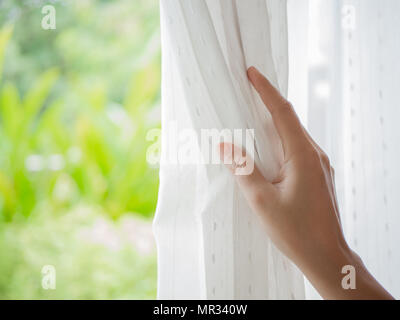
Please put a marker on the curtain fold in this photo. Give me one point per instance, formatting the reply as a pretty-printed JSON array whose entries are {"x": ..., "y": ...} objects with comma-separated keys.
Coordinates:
[
  {"x": 210, "y": 245},
  {"x": 344, "y": 78}
]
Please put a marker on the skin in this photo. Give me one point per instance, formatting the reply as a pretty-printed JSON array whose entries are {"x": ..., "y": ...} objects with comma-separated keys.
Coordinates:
[{"x": 299, "y": 208}]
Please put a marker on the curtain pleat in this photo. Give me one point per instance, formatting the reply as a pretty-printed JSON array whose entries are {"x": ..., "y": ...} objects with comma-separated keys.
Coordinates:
[{"x": 210, "y": 244}]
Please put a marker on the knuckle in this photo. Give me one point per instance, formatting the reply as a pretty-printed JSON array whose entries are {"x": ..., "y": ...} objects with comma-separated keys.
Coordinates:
[
  {"x": 314, "y": 162},
  {"x": 325, "y": 160},
  {"x": 281, "y": 108},
  {"x": 309, "y": 159},
  {"x": 285, "y": 107},
  {"x": 312, "y": 156}
]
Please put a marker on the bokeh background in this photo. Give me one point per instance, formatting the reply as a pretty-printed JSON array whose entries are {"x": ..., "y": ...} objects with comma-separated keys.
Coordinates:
[{"x": 76, "y": 191}]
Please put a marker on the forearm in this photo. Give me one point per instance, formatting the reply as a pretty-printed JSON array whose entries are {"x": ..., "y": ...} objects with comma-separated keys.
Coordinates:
[{"x": 327, "y": 277}]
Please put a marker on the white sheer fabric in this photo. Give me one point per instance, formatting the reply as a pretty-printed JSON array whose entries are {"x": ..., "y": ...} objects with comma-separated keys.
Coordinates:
[
  {"x": 353, "y": 78},
  {"x": 344, "y": 75},
  {"x": 210, "y": 246}
]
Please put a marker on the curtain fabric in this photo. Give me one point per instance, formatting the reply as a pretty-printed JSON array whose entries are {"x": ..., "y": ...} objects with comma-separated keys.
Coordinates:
[
  {"x": 210, "y": 245},
  {"x": 344, "y": 76},
  {"x": 353, "y": 113}
]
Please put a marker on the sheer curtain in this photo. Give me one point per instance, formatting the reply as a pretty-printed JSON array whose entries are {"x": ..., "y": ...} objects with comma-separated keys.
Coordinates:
[
  {"x": 353, "y": 78},
  {"x": 343, "y": 79},
  {"x": 210, "y": 246}
]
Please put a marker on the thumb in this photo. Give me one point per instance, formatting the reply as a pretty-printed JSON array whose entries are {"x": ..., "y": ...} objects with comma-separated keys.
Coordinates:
[{"x": 256, "y": 189}]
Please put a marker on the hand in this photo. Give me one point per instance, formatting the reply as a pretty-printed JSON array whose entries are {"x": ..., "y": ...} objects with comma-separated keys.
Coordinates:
[{"x": 299, "y": 208}]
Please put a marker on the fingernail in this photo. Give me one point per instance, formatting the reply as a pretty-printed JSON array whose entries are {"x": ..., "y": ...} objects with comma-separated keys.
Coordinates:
[
  {"x": 252, "y": 72},
  {"x": 253, "y": 69}
]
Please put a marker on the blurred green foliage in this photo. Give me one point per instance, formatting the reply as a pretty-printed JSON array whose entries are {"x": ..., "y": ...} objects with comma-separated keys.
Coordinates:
[{"x": 75, "y": 106}]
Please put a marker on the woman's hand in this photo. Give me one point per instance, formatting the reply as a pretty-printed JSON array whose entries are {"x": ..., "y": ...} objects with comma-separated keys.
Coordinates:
[{"x": 299, "y": 209}]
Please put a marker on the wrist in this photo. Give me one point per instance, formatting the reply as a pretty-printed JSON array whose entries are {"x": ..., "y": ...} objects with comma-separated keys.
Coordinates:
[
  {"x": 340, "y": 274},
  {"x": 324, "y": 269}
]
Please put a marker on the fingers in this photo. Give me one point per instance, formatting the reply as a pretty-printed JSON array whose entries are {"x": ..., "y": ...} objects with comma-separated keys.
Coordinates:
[
  {"x": 254, "y": 186},
  {"x": 285, "y": 119}
]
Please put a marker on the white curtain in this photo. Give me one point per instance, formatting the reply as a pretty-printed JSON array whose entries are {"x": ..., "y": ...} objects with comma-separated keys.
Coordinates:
[
  {"x": 353, "y": 79},
  {"x": 210, "y": 245},
  {"x": 343, "y": 81}
]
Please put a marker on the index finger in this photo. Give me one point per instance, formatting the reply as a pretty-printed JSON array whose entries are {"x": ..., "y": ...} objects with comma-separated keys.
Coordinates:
[{"x": 285, "y": 119}]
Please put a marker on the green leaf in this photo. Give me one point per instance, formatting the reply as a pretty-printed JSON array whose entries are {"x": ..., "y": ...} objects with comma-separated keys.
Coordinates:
[
  {"x": 10, "y": 107},
  {"x": 5, "y": 35},
  {"x": 38, "y": 94},
  {"x": 143, "y": 89},
  {"x": 8, "y": 197}
]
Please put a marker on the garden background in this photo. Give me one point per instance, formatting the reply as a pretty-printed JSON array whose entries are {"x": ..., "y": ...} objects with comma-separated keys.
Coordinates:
[{"x": 76, "y": 191}]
